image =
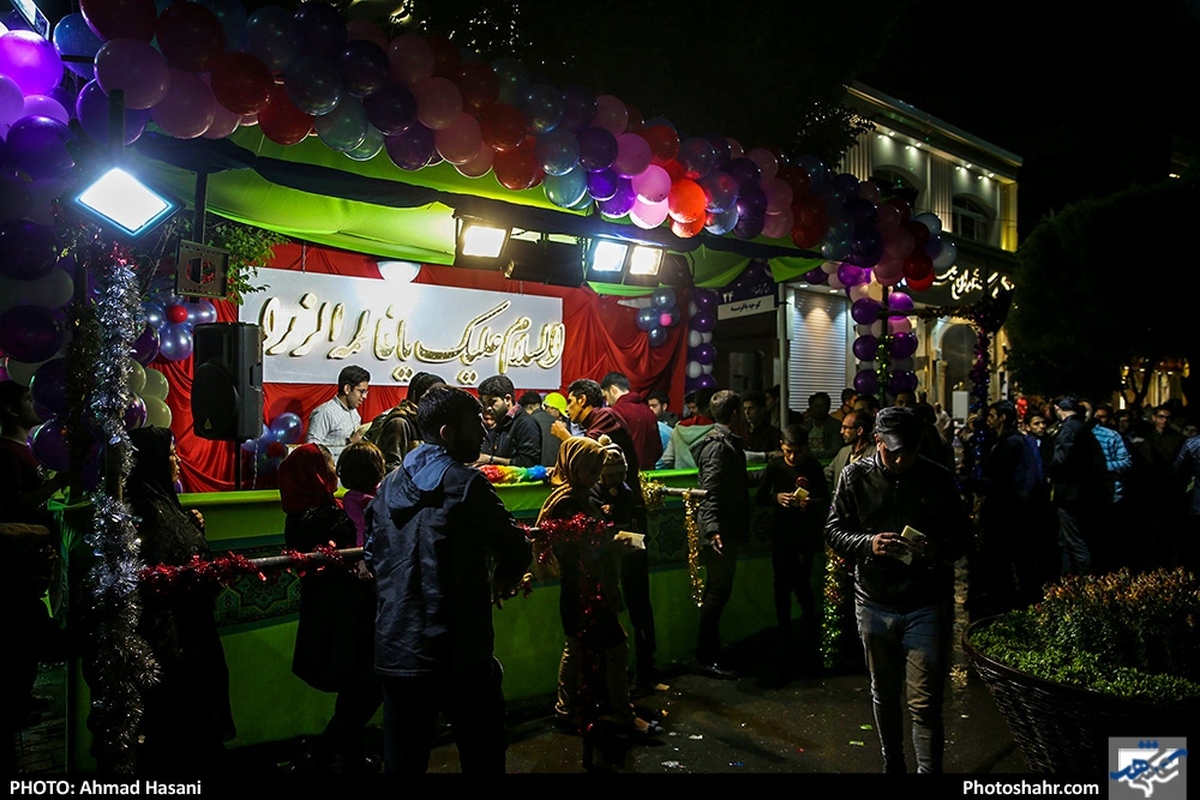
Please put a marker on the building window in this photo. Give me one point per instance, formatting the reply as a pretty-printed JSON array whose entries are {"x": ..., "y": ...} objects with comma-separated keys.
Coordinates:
[
  {"x": 894, "y": 183},
  {"x": 972, "y": 219}
]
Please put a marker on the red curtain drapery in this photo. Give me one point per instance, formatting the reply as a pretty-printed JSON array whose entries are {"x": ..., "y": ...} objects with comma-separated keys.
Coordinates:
[{"x": 601, "y": 337}]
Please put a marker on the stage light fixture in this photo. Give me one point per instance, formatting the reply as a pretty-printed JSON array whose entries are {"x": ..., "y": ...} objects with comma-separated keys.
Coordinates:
[
  {"x": 122, "y": 203},
  {"x": 645, "y": 260},
  {"x": 480, "y": 239}
]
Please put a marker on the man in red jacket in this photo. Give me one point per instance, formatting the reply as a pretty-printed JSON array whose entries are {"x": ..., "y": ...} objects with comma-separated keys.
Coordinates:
[{"x": 637, "y": 416}]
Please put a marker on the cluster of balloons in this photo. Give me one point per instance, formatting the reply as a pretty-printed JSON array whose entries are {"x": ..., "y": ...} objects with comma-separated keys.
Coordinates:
[
  {"x": 701, "y": 352},
  {"x": 661, "y": 314},
  {"x": 884, "y": 324},
  {"x": 171, "y": 318},
  {"x": 50, "y": 441},
  {"x": 270, "y": 447}
]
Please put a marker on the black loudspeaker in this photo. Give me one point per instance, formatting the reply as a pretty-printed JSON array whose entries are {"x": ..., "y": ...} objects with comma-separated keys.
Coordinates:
[{"x": 227, "y": 395}]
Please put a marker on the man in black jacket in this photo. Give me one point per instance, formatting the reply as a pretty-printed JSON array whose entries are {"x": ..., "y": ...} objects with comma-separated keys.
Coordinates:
[
  {"x": 723, "y": 517},
  {"x": 517, "y": 439},
  {"x": 899, "y": 518},
  {"x": 432, "y": 529},
  {"x": 1075, "y": 465}
]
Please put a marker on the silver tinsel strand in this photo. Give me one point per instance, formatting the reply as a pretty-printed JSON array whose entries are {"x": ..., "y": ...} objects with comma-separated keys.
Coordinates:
[{"x": 124, "y": 663}]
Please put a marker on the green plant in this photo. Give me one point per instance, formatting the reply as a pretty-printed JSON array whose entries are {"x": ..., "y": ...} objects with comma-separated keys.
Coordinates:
[
  {"x": 1130, "y": 635},
  {"x": 249, "y": 248}
]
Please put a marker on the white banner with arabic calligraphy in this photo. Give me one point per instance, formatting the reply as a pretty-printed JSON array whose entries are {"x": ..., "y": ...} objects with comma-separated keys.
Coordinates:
[{"x": 315, "y": 324}]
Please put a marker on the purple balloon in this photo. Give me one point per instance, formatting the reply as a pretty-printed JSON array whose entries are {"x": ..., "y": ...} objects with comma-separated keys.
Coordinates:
[
  {"x": 287, "y": 428},
  {"x": 412, "y": 149},
  {"x": 38, "y": 145},
  {"x": 704, "y": 321},
  {"x": 621, "y": 202},
  {"x": 597, "y": 149},
  {"x": 135, "y": 413},
  {"x": 696, "y": 155},
  {"x": 49, "y": 387},
  {"x": 749, "y": 226},
  {"x": 902, "y": 381},
  {"x": 392, "y": 109},
  {"x": 364, "y": 67},
  {"x": 849, "y": 274},
  {"x": 865, "y": 311},
  {"x": 722, "y": 150},
  {"x": 816, "y": 276},
  {"x": 704, "y": 300},
  {"x": 866, "y": 347},
  {"x": 746, "y": 173},
  {"x": 91, "y": 107},
  {"x": 899, "y": 301},
  {"x": 866, "y": 381},
  {"x": 720, "y": 190},
  {"x": 28, "y": 250},
  {"x": 29, "y": 333},
  {"x": 30, "y": 61},
  {"x": 903, "y": 345},
  {"x": 145, "y": 347},
  {"x": 705, "y": 353},
  {"x": 579, "y": 109},
  {"x": 706, "y": 382},
  {"x": 49, "y": 445},
  {"x": 603, "y": 184},
  {"x": 175, "y": 342},
  {"x": 200, "y": 312}
]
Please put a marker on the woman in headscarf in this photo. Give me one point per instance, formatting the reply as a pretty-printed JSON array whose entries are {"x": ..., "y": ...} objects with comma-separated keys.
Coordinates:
[
  {"x": 335, "y": 637},
  {"x": 587, "y": 560},
  {"x": 187, "y": 715}
]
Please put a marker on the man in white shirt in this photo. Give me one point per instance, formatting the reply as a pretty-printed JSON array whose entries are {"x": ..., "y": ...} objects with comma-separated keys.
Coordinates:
[{"x": 335, "y": 423}]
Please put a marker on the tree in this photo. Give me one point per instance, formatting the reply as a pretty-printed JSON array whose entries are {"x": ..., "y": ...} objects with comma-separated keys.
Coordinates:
[{"x": 1105, "y": 284}]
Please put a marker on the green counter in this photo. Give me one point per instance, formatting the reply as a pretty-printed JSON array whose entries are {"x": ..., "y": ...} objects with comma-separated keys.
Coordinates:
[{"x": 258, "y": 619}]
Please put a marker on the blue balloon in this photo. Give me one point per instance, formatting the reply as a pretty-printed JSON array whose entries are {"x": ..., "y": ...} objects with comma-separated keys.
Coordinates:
[
  {"x": 543, "y": 108},
  {"x": 664, "y": 298},
  {"x": 314, "y": 83},
  {"x": 344, "y": 128},
  {"x": 74, "y": 37},
  {"x": 557, "y": 151},
  {"x": 270, "y": 37},
  {"x": 647, "y": 318},
  {"x": 658, "y": 337},
  {"x": 566, "y": 190}
]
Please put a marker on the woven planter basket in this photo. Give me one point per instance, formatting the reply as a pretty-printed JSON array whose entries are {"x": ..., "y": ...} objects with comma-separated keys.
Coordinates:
[{"x": 1064, "y": 729}]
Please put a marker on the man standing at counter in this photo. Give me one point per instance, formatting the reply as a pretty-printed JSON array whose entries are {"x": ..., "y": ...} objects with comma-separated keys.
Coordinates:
[
  {"x": 433, "y": 527},
  {"x": 335, "y": 423},
  {"x": 517, "y": 439}
]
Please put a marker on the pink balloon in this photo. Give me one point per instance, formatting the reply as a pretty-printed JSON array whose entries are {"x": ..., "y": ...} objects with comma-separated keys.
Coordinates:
[
  {"x": 39, "y": 105},
  {"x": 735, "y": 149},
  {"x": 766, "y": 161},
  {"x": 633, "y": 155},
  {"x": 439, "y": 102},
  {"x": 480, "y": 165},
  {"x": 411, "y": 59},
  {"x": 652, "y": 185},
  {"x": 779, "y": 225},
  {"x": 611, "y": 114},
  {"x": 897, "y": 243},
  {"x": 224, "y": 121},
  {"x": 887, "y": 216},
  {"x": 779, "y": 194},
  {"x": 363, "y": 29},
  {"x": 188, "y": 109},
  {"x": 135, "y": 67},
  {"x": 459, "y": 142},
  {"x": 648, "y": 215}
]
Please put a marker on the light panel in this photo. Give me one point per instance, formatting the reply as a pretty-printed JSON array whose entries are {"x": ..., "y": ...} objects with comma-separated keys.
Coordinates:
[{"x": 117, "y": 199}]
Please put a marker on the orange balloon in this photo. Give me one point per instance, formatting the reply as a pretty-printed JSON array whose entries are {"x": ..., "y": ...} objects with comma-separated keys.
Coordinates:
[
  {"x": 686, "y": 230},
  {"x": 686, "y": 201}
]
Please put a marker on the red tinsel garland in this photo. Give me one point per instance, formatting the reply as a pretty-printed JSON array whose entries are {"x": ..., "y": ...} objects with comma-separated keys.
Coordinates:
[{"x": 222, "y": 570}]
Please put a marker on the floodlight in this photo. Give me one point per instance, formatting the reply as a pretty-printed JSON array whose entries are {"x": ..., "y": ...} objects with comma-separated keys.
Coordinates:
[
  {"x": 645, "y": 260},
  {"x": 120, "y": 202},
  {"x": 480, "y": 240}
]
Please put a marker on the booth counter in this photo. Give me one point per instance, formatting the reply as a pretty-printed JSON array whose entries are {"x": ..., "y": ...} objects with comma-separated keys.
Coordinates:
[{"x": 258, "y": 617}]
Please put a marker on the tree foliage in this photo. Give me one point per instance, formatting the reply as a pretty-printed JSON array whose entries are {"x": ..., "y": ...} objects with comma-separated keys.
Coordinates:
[{"x": 1105, "y": 282}]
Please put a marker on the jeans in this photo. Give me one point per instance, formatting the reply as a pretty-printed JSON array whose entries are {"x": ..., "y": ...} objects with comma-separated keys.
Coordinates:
[
  {"x": 472, "y": 702},
  {"x": 718, "y": 587},
  {"x": 908, "y": 651}
]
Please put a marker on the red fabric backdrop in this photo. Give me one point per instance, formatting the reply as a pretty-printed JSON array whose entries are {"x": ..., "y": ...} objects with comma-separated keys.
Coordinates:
[{"x": 601, "y": 337}]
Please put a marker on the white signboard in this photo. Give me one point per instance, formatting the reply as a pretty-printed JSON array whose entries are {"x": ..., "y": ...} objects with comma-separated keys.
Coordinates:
[{"x": 315, "y": 324}]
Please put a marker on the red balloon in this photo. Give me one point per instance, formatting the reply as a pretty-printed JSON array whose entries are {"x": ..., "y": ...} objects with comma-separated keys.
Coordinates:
[
  {"x": 518, "y": 168},
  {"x": 120, "y": 19},
  {"x": 918, "y": 265},
  {"x": 901, "y": 206},
  {"x": 686, "y": 201},
  {"x": 502, "y": 126},
  {"x": 796, "y": 178},
  {"x": 686, "y": 230},
  {"x": 663, "y": 141},
  {"x": 445, "y": 56},
  {"x": 919, "y": 233},
  {"x": 920, "y": 285},
  {"x": 190, "y": 36},
  {"x": 476, "y": 80},
  {"x": 636, "y": 123},
  {"x": 176, "y": 314},
  {"x": 675, "y": 170},
  {"x": 242, "y": 83},
  {"x": 281, "y": 121}
]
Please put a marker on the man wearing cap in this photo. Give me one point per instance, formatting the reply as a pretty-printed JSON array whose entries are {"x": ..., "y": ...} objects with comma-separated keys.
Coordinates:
[{"x": 898, "y": 517}]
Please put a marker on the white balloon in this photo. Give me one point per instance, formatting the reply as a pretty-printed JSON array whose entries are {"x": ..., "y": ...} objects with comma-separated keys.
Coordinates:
[
  {"x": 52, "y": 291},
  {"x": 22, "y": 371},
  {"x": 705, "y": 338},
  {"x": 706, "y": 369},
  {"x": 137, "y": 377},
  {"x": 695, "y": 339},
  {"x": 693, "y": 370},
  {"x": 11, "y": 293},
  {"x": 877, "y": 328},
  {"x": 858, "y": 292}
]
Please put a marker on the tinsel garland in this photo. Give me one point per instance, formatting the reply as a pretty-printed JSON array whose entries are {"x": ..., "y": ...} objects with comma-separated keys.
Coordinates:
[
  {"x": 838, "y": 608},
  {"x": 498, "y": 474},
  {"x": 652, "y": 496},
  {"x": 125, "y": 665},
  {"x": 210, "y": 572}
]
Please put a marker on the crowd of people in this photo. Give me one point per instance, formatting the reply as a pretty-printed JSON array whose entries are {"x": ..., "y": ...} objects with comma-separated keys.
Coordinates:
[{"x": 1054, "y": 488}]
